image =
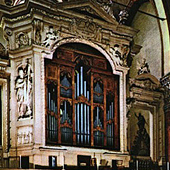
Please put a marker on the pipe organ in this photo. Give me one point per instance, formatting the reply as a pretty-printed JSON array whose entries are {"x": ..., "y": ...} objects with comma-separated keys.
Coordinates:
[{"x": 82, "y": 101}]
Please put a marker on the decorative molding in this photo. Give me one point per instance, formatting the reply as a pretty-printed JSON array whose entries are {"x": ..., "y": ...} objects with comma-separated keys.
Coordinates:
[
  {"x": 23, "y": 86},
  {"x": 145, "y": 81}
]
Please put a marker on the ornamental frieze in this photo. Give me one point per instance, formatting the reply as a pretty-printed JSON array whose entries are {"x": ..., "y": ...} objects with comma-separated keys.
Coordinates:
[{"x": 84, "y": 28}]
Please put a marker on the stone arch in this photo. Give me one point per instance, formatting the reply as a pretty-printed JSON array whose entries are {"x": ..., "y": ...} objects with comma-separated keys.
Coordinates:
[{"x": 99, "y": 48}]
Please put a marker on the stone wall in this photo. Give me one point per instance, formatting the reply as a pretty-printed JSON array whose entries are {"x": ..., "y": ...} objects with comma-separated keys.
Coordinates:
[{"x": 149, "y": 38}]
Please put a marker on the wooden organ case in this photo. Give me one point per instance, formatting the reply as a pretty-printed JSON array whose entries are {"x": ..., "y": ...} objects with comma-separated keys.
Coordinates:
[{"x": 82, "y": 100}]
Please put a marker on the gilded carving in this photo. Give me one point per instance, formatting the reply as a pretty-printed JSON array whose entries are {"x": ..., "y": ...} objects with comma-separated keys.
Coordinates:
[{"x": 23, "y": 86}]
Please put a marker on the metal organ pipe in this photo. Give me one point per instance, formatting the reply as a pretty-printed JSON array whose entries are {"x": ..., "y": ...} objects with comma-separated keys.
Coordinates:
[{"x": 78, "y": 128}]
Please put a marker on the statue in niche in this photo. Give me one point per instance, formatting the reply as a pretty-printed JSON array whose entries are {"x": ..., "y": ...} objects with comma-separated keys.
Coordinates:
[
  {"x": 51, "y": 36},
  {"x": 141, "y": 121},
  {"x": 37, "y": 37},
  {"x": 141, "y": 144},
  {"x": 143, "y": 67},
  {"x": 23, "y": 85}
]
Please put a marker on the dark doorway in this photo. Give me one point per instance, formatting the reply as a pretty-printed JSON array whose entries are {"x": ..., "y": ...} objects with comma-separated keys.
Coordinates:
[{"x": 25, "y": 162}]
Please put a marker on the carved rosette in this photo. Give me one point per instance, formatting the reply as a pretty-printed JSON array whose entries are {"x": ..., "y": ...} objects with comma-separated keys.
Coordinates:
[{"x": 23, "y": 86}]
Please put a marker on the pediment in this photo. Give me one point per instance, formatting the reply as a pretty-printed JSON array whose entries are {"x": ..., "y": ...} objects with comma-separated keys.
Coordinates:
[
  {"x": 145, "y": 81},
  {"x": 89, "y": 9}
]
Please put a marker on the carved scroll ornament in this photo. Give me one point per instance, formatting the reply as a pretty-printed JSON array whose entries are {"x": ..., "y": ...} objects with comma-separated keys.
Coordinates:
[{"x": 120, "y": 54}]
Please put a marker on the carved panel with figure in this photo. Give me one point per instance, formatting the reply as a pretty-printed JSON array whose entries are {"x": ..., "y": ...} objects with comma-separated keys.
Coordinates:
[{"x": 23, "y": 86}]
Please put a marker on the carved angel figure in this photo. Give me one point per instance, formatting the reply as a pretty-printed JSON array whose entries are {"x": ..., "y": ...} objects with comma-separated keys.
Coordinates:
[
  {"x": 23, "y": 85},
  {"x": 51, "y": 36}
]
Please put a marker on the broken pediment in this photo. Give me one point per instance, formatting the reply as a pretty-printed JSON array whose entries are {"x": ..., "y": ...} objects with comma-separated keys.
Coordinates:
[
  {"x": 91, "y": 9},
  {"x": 145, "y": 81}
]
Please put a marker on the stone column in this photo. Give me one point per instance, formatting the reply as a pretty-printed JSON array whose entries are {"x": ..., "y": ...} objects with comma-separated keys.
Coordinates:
[{"x": 165, "y": 81}]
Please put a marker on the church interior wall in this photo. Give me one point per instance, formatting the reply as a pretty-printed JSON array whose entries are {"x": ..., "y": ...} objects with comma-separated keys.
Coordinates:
[{"x": 149, "y": 38}]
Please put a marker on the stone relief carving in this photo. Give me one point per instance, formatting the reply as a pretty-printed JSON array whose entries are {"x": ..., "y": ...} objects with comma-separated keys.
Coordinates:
[
  {"x": 86, "y": 28},
  {"x": 37, "y": 31},
  {"x": 23, "y": 86},
  {"x": 120, "y": 54},
  {"x": 143, "y": 67},
  {"x": 51, "y": 37},
  {"x": 24, "y": 135},
  {"x": 22, "y": 39}
]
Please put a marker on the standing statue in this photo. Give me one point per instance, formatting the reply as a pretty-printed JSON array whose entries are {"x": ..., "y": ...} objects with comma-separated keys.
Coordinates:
[
  {"x": 141, "y": 143},
  {"x": 141, "y": 121},
  {"x": 23, "y": 85}
]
